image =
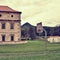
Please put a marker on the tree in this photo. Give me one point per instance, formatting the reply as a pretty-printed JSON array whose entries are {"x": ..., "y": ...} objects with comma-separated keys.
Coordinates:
[
  {"x": 25, "y": 32},
  {"x": 51, "y": 31},
  {"x": 32, "y": 33}
]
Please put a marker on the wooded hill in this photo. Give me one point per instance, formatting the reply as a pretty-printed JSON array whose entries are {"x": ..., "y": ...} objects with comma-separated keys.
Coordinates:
[{"x": 28, "y": 29}]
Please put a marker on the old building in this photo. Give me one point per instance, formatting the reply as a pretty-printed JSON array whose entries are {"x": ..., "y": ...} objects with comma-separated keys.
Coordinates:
[
  {"x": 10, "y": 21},
  {"x": 53, "y": 39},
  {"x": 39, "y": 27}
]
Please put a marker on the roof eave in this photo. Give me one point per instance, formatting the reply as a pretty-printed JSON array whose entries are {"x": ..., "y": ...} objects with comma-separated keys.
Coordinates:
[{"x": 12, "y": 11}]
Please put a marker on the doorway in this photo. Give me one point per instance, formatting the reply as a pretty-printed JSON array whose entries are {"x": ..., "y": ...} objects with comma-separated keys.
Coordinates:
[
  {"x": 3, "y": 37},
  {"x": 12, "y": 37}
]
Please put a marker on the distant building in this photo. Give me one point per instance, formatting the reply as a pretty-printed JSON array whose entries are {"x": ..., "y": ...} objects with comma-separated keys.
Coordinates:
[
  {"x": 54, "y": 39},
  {"x": 39, "y": 27},
  {"x": 10, "y": 21}
]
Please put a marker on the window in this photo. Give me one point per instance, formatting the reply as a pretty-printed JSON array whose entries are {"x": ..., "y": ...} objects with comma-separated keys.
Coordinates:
[
  {"x": 3, "y": 25},
  {"x": 12, "y": 37},
  {"x": 11, "y": 15},
  {"x": 3, "y": 37},
  {"x": 12, "y": 26},
  {"x": 0, "y": 15}
]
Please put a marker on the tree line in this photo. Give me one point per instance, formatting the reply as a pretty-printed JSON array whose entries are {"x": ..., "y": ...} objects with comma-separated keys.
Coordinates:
[{"x": 28, "y": 30}]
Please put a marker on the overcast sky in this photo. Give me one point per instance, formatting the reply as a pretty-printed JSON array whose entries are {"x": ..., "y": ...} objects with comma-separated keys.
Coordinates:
[{"x": 34, "y": 11}]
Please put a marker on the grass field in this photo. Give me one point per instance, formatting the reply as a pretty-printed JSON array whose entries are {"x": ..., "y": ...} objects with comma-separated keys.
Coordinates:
[{"x": 33, "y": 50}]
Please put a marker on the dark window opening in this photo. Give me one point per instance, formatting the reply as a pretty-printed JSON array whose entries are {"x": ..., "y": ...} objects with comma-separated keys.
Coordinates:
[
  {"x": 3, "y": 37},
  {"x": 0, "y": 15},
  {"x": 12, "y": 26},
  {"x": 11, "y": 15},
  {"x": 3, "y": 25},
  {"x": 12, "y": 37}
]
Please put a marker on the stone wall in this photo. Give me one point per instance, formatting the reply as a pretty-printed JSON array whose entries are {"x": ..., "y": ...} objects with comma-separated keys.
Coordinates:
[
  {"x": 7, "y": 19},
  {"x": 54, "y": 39},
  {"x": 8, "y": 16}
]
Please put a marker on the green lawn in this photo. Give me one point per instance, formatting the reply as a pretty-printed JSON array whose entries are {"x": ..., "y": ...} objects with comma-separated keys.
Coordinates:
[{"x": 33, "y": 50}]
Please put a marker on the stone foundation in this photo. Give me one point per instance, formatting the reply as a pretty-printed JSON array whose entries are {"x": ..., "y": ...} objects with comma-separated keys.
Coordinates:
[{"x": 13, "y": 42}]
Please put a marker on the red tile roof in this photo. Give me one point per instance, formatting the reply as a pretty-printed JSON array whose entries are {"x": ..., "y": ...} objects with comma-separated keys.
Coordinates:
[{"x": 7, "y": 9}]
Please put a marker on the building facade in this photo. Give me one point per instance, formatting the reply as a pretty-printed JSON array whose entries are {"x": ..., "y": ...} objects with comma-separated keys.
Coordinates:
[
  {"x": 54, "y": 39},
  {"x": 39, "y": 27},
  {"x": 10, "y": 24}
]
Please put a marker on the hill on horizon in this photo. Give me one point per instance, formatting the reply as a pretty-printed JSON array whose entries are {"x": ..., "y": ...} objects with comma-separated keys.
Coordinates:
[
  {"x": 28, "y": 24},
  {"x": 51, "y": 31}
]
